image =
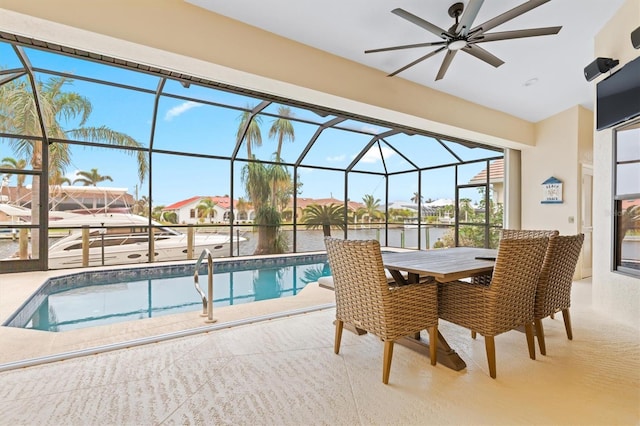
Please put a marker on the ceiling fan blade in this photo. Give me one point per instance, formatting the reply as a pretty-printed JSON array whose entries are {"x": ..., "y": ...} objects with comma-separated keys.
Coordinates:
[
  {"x": 508, "y": 15},
  {"x": 422, "y": 23},
  {"x": 417, "y": 61},
  {"x": 406, "y": 46},
  {"x": 468, "y": 16},
  {"x": 507, "y": 35},
  {"x": 483, "y": 55},
  {"x": 445, "y": 63}
]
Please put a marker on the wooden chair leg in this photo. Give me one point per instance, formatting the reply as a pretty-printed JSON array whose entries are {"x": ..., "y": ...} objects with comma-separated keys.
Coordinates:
[
  {"x": 433, "y": 344},
  {"x": 528, "y": 328},
  {"x": 338, "y": 339},
  {"x": 473, "y": 334},
  {"x": 386, "y": 362},
  {"x": 540, "y": 336},
  {"x": 567, "y": 323},
  {"x": 490, "y": 347}
]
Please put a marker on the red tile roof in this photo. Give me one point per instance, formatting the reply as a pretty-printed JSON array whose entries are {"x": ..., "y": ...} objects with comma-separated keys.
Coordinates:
[
  {"x": 496, "y": 173},
  {"x": 222, "y": 201},
  {"x": 179, "y": 204}
]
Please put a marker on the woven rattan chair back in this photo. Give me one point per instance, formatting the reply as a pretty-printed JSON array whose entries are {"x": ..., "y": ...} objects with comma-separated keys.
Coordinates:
[
  {"x": 360, "y": 284},
  {"x": 510, "y": 296},
  {"x": 506, "y": 303},
  {"x": 365, "y": 299},
  {"x": 554, "y": 285}
]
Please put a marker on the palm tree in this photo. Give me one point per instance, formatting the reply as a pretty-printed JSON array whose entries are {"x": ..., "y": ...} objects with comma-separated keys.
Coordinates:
[
  {"x": 269, "y": 187},
  {"x": 466, "y": 208},
  {"x": 206, "y": 209},
  {"x": 417, "y": 198},
  {"x": 242, "y": 205},
  {"x": 253, "y": 136},
  {"x": 282, "y": 128},
  {"x": 141, "y": 206},
  {"x": 12, "y": 163},
  {"x": 315, "y": 216},
  {"x": 92, "y": 178},
  {"x": 257, "y": 178},
  {"x": 371, "y": 206},
  {"x": 19, "y": 115}
]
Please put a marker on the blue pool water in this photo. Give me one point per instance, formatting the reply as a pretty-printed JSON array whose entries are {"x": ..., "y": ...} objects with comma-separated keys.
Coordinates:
[{"x": 89, "y": 299}]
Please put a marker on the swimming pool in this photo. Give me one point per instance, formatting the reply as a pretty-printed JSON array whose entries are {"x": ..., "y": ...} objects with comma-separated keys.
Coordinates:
[{"x": 93, "y": 298}]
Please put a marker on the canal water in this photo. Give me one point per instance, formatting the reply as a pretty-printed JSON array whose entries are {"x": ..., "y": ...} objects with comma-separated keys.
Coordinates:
[{"x": 313, "y": 240}]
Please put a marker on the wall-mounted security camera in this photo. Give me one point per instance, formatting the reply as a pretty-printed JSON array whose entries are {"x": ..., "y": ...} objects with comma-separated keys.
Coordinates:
[{"x": 599, "y": 66}]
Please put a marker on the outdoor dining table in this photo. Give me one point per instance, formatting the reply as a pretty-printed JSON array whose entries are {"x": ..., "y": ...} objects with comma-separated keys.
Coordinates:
[{"x": 443, "y": 265}]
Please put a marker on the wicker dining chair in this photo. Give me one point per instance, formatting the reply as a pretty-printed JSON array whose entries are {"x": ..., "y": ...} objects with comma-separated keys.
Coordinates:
[
  {"x": 553, "y": 293},
  {"x": 506, "y": 303},
  {"x": 365, "y": 299}
]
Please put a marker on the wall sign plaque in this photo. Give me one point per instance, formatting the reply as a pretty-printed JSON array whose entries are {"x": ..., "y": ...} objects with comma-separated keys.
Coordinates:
[{"x": 552, "y": 191}]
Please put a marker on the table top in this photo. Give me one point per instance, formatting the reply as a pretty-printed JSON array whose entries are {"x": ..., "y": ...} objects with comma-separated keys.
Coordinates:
[{"x": 444, "y": 264}]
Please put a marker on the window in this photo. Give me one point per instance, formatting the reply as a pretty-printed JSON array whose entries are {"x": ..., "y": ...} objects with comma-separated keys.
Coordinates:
[{"x": 627, "y": 199}]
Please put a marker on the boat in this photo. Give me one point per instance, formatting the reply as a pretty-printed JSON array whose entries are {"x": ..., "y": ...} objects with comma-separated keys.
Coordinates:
[
  {"x": 12, "y": 215},
  {"x": 118, "y": 237}
]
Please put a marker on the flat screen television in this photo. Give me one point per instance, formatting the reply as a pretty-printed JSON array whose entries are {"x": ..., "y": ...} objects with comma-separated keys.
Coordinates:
[{"x": 618, "y": 96}]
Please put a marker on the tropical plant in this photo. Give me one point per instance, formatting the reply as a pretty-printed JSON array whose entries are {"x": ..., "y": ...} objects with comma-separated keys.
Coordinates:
[
  {"x": 19, "y": 164},
  {"x": 57, "y": 107},
  {"x": 371, "y": 206},
  {"x": 91, "y": 178},
  {"x": 206, "y": 209},
  {"x": 59, "y": 180},
  {"x": 170, "y": 217},
  {"x": 242, "y": 206},
  {"x": 157, "y": 213},
  {"x": 417, "y": 198},
  {"x": 325, "y": 216},
  {"x": 268, "y": 186},
  {"x": 141, "y": 206},
  {"x": 282, "y": 128},
  {"x": 466, "y": 209},
  {"x": 249, "y": 129},
  {"x": 258, "y": 180}
]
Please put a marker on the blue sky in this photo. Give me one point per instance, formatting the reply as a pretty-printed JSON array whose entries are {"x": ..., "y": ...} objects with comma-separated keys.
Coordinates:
[{"x": 198, "y": 128}]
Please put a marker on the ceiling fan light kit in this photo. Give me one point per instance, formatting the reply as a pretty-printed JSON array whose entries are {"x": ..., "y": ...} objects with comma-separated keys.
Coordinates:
[{"x": 462, "y": 36}]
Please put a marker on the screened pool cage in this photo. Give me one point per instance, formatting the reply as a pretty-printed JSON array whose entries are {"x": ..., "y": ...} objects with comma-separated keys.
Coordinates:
[{"x": 105, "y": 161}]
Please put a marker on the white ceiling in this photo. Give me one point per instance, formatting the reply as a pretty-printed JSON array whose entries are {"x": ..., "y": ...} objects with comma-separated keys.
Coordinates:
[{"x": 349, "y": 27}]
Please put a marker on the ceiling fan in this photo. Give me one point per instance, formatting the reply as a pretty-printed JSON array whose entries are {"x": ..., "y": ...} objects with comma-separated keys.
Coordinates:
[{"x": 461, "y": 36}]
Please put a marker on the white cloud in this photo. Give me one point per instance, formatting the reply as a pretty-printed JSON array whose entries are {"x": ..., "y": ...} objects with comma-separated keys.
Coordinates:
[
  {"x": 373, "y": 155},
  {"x": 337, "y": 158},
  {"x": 180, "y": 109}
]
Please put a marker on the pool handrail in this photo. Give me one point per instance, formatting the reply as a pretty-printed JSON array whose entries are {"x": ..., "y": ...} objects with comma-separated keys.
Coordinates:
[{"x": 207, "y": 300}]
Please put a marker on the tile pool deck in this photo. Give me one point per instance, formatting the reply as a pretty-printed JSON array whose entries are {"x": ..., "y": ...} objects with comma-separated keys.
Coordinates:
[{"x": 284, "y": 372}]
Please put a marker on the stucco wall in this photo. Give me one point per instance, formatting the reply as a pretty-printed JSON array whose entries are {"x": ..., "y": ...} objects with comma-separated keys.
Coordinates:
[
  {"x": 555, "y": 154},
  {"x": 619, "y": 295}
]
